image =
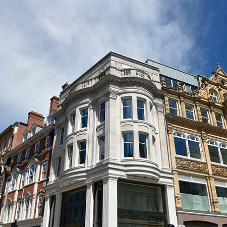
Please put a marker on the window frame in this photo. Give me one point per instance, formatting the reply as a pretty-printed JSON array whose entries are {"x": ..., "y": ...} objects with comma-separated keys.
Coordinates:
[
  {"x": 61, "y": 141},
  {"x": 84, "y": 116},
  {"x": 146, "y": 147},
  {"x": 27, "y": 154},
  {"x": 190, "y": 111},
  {"x": 102, "y": 147},
  {"x": 208, "y": 117},
  {"x": 222, "y": 120},
  {"x": 123, "y": 108},
  {"x": 217, "y": 144},
  {"x": 37, "y": 150},
  {"x": 38, "y": 206},
  {"x": 70, "y": 155},
  {"x": 186, "y": 137},
  {"x": 102, "y": 117},
  {"x": 82, "y": 151},
  {"x": 47, "y": 144},
  {"x": 42, "y": 171},
  {"x": 58, "y": 172},
  {"x": 73, "y": 121},
  {"x": 177, "y": 106},
  {"x": 213, "y": 95},
  {"x": 139, "y": 108},
  {"x": 130, "y": 142},
  {"x": 19, "y": 159}
]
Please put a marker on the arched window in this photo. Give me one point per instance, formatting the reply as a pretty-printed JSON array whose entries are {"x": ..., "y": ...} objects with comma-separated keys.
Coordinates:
[
  {"x": 9, "y": 210},
  {"x": 27, "y": 207},
  {"x": 13, "y": 182},
  {"x": 213, "y": 96},
  {"x": 39, "y": 205},
  {"x": 19, "y": 206}
]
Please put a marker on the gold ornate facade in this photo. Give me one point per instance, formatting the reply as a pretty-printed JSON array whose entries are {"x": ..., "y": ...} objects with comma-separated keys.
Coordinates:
[{"x": 197, "y": 139}]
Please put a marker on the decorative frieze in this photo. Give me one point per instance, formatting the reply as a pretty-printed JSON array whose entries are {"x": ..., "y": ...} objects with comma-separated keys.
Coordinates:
[
  {"x": 190, "y": 165},
  {"x": 219, "y": 171}
]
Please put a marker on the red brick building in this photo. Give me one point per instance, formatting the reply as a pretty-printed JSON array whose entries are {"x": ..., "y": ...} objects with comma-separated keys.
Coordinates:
[{"x": 24, "y": 191}]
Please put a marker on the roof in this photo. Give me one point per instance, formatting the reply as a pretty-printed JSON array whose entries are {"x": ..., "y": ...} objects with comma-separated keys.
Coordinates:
[{"x": 176, "y": 73}]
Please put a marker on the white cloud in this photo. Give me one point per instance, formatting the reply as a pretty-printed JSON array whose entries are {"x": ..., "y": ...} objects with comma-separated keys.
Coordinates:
[{"x": 43, "y": 44}]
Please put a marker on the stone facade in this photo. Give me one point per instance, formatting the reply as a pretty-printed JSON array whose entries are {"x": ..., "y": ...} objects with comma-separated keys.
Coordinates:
[
  {"x": 196, "y": 126},
  {"x": 110, "y": 153}
]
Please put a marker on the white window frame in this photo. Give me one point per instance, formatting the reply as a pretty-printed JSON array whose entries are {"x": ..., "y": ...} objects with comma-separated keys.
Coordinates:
[
  {"x": 213, "y": 96},
  {"x": 19, "y": 155},
  {"x": 39, "y": 205},
  {"x": 177, "y": 109},
  {"x": 144, "y": 108},
  {"x": 222, "y": 121},
  {"x": 190, "y": 111},
  {"x": 47, "y": 144},
  {"x": 208, "y": 117},
  {"x": 31, "y": 174},
  {"x": 44, "y": 171},
  {"x": 58, "y": 172},
  {"x": 27, "y": 154},
  {"x": 127, "y": 98},
  {"x": 70, "y": 155},
  {"x": 23, "y": 179},
  {"x": 37, "y": 150},
  {"x": 101, "y": 147},
  {"x": 73, "y": 121},
  {"x": 82, "y": 116},
  {"x": 18, "y": 210},
  {"x": 219, "y": 145},
  {"x": 62, "y": 132},
  {"x": 189, "y": 137}
]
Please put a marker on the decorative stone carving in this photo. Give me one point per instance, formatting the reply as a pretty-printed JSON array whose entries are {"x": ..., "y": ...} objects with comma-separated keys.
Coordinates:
[
  {"x": 112, "y": 94},
  {"x": 219, "y": 171},
  {"x": 191, "y": 165}
]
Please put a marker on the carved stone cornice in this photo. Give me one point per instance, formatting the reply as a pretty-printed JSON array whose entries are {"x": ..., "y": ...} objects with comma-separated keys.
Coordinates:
[
  {"x": 190, "y": 165},
  {"x": 219, "y": 170}
]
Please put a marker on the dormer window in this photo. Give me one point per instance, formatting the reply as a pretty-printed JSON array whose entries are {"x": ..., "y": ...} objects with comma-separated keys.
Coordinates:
[
  {"x": 33, "y": 132},
  {"x": 25, "y": 137},
  {"x": 213, "y": 96}
]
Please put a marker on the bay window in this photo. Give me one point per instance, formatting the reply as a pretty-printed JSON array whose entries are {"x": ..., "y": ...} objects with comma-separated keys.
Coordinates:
[
  {"x": 61, "y": 136},
  {"x": 82, "y": 152},
  {"x": 140, "y": 109},
  {"x": 142, "y": 146},
  {"x": 58, "y": 166},
  {"x": 102, "y": 112},
  {"x": 127, "y": 108},
  {"x": 73, "y": 121},
  {"x": 128, "y": 145},
  {"x": 84, "y": 118},
  {"x": 101, "y": 147},
  {"x": 70, "y": 155},
  {"x": 218, "y": 152}
]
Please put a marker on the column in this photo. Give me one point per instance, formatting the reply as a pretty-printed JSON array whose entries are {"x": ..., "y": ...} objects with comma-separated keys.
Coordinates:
[
  {"x": 177, "y": 190},
  {"x": 213, "y": 194},
  {"x": 198, "y": 111},
  {"x": 89, "y": 205},
  {"x": 46, "y": 213},
  {"x": 171, "y": 146},
  {"x": 109, "y": 202},
  {"x": 213, "y": 118},
  {"x": 182, "y": 107},
  {"x": 57, "y": 213},
  {"x": 171, "y": 209},
  {"x": 206, "y": 153}
]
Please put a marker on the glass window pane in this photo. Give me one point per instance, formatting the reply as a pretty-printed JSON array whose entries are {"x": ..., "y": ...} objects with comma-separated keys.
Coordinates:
[
  {"x": 180, "y": 146},
  {"x": 140, "y": 204},
  {"x": 73, "y": 208},
  {"x": 222, "y": 198},
  {"x": 102, "y": 112},
  {"x": 187, "y": 88},
  {"x": 194, "y": 196},
  {"x": 98, "y": 204},
  {"x": 214, "y": 155},
  {"x": 175, "y": 84},
  {"x": 172, "y": 103},
  {"x": 224, "y": 155},
  {"x": 128, "y": 150},
  {"x": 168, "y": 81},
  {"x": 127, "y": 108},
  {"x": 194, "y": 149},
  {"x": 128, "y": 137},
  {"x": 142, "y": 146},
  {"x": 140, "y": 110}
]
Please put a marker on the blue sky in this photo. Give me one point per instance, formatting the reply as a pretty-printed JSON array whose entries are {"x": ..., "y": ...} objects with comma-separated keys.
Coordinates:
[{"x": 43, "y": 44}]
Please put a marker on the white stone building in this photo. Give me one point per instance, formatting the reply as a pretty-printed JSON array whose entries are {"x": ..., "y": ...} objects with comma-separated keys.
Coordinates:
[{"x": 110, "y": 163}]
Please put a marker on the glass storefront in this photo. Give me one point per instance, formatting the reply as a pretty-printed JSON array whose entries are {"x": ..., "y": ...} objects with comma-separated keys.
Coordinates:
[
  {"x": 140, "y": 205},
  {"x": 73, "y": 208}
]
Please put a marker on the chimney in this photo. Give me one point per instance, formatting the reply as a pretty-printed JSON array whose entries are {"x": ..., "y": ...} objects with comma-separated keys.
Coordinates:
[
  {"x": 54, "y": 102},
  {"x": 65, "y": 86},
  {"x": 35, "y": 118}
]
